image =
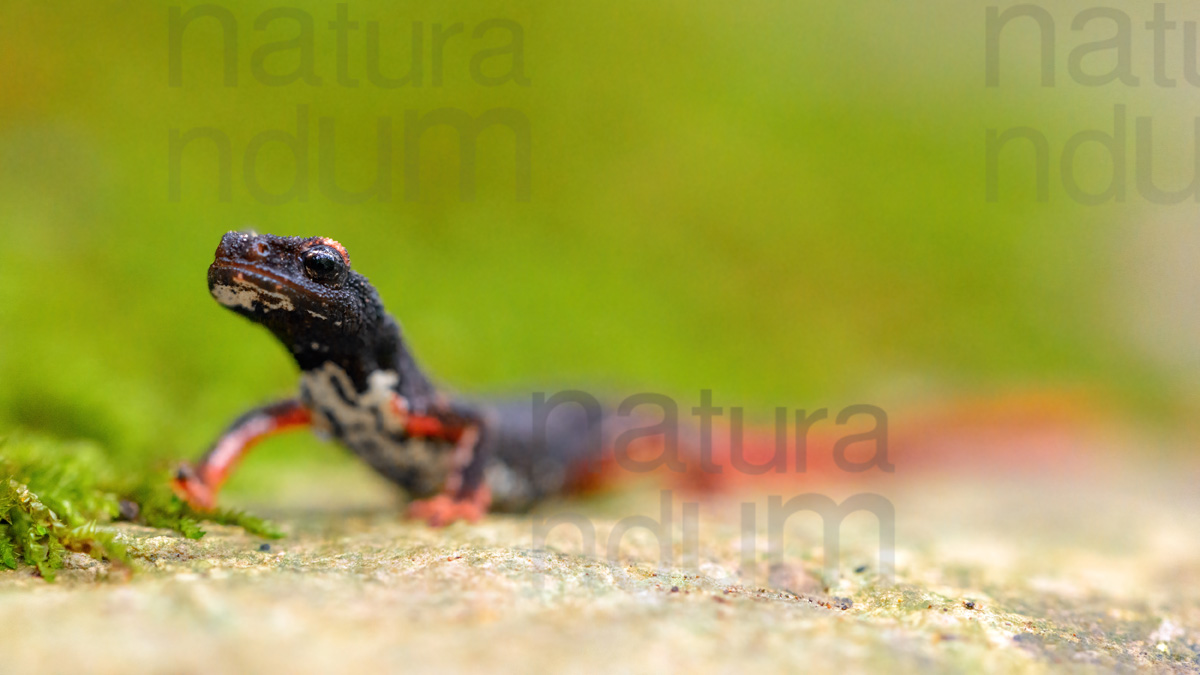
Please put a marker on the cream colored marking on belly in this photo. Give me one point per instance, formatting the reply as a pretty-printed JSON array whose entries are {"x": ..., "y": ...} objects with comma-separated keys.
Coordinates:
[{"x": 359, "y": 420}]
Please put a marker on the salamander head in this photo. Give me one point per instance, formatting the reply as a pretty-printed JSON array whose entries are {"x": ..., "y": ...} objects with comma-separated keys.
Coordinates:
[{"x": 303, "y": 290}]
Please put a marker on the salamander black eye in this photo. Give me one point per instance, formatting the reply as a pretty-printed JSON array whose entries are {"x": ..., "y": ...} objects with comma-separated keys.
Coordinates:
[{"x": 323, "y": 264}]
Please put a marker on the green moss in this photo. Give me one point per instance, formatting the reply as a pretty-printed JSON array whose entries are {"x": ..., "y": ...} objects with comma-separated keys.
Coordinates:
[
  {"x": 252, "y": 524},
  {"x": 55, "y": 496}
]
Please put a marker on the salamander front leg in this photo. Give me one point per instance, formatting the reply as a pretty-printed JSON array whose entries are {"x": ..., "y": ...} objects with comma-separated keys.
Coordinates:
[
  {"x": 465, "y": 496},
  {"x": 199, "y": 484}
]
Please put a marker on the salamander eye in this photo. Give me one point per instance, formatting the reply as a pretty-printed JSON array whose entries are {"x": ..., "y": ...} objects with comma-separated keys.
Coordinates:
[{"x": 323, "y": 264}]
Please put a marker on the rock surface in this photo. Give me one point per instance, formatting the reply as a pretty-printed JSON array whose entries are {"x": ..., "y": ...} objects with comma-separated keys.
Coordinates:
[{"x": 1016, "y": 574}]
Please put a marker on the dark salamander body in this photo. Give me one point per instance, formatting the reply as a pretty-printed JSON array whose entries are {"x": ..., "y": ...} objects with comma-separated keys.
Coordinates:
[{"x": 361, "y": 385}]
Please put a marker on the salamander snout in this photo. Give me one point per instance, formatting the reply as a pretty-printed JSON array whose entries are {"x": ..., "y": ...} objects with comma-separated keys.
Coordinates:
[{"x": 243, "y": 246}]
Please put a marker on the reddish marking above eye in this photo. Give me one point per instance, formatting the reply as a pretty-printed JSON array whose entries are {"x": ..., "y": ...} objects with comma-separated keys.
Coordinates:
[{"x": 336, "y": 246}]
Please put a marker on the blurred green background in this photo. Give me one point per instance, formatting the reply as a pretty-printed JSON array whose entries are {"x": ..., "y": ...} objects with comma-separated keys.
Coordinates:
[{"x": 781, "y": 202}]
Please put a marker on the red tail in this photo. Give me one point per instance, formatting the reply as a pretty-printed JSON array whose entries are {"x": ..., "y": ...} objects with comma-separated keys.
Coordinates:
[{"x": 1030, "y": 432}]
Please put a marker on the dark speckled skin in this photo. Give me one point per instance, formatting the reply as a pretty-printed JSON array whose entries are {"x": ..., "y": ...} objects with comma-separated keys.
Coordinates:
[
  {"x": 332, "y": 321},
  {"x": 341, "y": 315}
]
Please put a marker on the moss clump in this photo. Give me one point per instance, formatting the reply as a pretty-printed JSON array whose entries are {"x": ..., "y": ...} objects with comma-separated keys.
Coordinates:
[
  {"x": 54, "y": 495},
  {"x": 159, "y": 507}
]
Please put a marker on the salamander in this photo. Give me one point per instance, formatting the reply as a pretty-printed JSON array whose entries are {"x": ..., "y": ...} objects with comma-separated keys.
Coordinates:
[{"x": 361, "y": 385}]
